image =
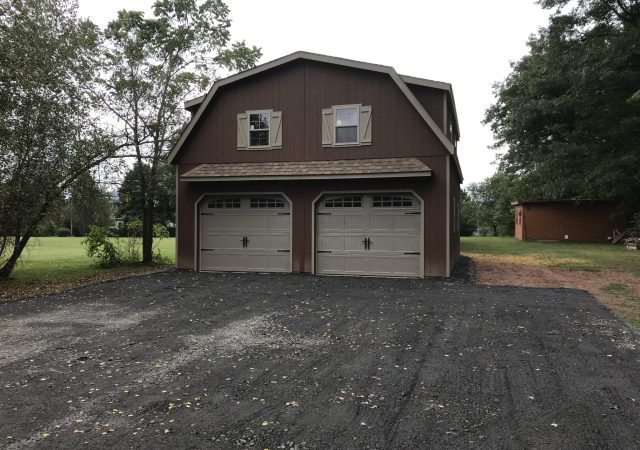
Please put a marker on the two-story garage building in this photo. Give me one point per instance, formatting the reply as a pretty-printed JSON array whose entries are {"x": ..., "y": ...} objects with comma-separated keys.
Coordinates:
[{"x": 317, "y": 164}]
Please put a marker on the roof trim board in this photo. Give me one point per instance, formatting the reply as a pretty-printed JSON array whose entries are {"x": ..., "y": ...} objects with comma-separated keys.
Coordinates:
[
  {"x": 319, "y": 58},
  {"x": 310, "y": 177}
]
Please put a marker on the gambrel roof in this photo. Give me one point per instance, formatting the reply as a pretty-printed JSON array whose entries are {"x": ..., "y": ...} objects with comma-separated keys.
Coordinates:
[{"x": 400, "y": 80}]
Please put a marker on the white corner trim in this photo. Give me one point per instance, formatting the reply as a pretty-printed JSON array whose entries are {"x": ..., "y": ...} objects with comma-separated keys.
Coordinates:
[{"x": 448, "y": 213}]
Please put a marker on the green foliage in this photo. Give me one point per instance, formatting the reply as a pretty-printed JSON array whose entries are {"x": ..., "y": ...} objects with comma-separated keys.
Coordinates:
[
  {"x": 468, "y": 215},
  {"x": 491, "y": 200},
  {"x": 129, "y": 249},
  {"x": 49, "y": 132},
  {"x": 87, "y": 205},
  {"x": 160, "y": 232},
  {"x": 63, "y": 232},
  {"x": 567, "y": 116},
  {"x": 131, "y": 199},
  {"x": 99, "y": 247},
  {"x": 151, "y": 65}
]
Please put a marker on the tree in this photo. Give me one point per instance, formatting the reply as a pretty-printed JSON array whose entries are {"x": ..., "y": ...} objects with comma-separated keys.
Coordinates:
[
  {"x": 568, "y": 115},
  {"x": 153, "y": 64},
  {"x": 131, "y": 200},
  {"x": 492, "y": 199},
  {"x": 468, "y": 215},
  {"x": 49, "y": 134},
  {"x": 86, "y": 205}
]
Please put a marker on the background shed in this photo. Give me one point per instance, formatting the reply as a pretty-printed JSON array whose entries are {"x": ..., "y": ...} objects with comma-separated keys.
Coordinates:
[{"x": 567, "y": 220}]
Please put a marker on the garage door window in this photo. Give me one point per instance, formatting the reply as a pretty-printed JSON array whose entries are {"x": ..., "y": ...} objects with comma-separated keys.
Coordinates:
[
  {"x": 224, "y": 203},
  {"x": 343, "y": 202},
  {"x": 266, "y": 202},
  {"x": 386, "y": 201}
]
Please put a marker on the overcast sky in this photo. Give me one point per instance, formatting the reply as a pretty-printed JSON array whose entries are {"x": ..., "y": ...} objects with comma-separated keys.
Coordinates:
[{"x": 468, "y": 43}]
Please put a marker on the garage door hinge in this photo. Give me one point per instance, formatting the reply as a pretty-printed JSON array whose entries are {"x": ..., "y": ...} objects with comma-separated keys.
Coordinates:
[
  {"x": 284, "y": 214},
  {"x": 207, "y": 249},
  {"x": 413, "y": 212},
  {"x": 323, "y": 214},
  {"x": 284, "y": 251},
  {"x": 206, "y": 214},
  {"x": 324, "y": 251},
  {"x": 411, "y": 253}
]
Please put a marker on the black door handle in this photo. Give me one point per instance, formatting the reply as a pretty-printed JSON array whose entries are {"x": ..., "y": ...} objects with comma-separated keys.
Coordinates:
[
  {"x": 245, "y": 241},
  {"x": 368, "y": 244},
  {"x": 364, "y": 243}
]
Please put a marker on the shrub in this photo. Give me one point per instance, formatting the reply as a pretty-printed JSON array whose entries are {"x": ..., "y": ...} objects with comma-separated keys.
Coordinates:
[
  {"x": 100, "y": 248},
  {"x": 130, "y": 251},
  {"x": 63, "y": 232},
  {"x": 160, "y": 232}
]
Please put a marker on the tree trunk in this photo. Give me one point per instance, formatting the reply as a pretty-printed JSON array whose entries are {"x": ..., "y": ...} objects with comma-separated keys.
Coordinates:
[
  {"x": 7, "y": 269},
  {"x": 147, "y": 233}
]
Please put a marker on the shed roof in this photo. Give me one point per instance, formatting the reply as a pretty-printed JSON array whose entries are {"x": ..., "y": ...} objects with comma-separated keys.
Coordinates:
[
  {"x": 566, "y": 201},
  {"x": 310, "y": 170}
]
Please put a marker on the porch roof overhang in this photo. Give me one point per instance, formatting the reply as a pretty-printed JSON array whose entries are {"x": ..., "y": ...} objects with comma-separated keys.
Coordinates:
[{"x": 310, "y": 170}]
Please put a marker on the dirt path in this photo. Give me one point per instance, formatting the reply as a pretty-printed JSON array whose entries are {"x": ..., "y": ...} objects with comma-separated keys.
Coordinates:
[{"x": 625, "y": 303}]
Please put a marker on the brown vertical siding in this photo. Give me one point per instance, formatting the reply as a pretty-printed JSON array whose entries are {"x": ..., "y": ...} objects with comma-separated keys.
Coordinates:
[
  {"x": 586, "y": 222},
  {"x": 434, "y": 101},
  {"x": 302, "y": 195},
  {"x": 301, "y": 90}
]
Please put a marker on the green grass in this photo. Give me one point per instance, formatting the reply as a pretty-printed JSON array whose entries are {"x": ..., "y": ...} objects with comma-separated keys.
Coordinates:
[
  {"x": 593, "y": 257},
  {"x": 48, "y": 262}
]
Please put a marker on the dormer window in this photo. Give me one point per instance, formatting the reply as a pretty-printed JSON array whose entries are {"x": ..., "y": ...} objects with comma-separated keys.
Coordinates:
[
  {"x": 259, "y": 129},
  {"x": 346, "y": 125}
]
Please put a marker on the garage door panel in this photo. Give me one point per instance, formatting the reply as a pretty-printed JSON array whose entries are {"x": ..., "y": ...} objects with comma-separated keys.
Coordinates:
[
  {"x": 223, "y": 260},
  {"x": 407, "y": 222},
  {"x": 266, "y": 228},
  {"x": 357, "y": 222},
  {"x": 330, "y": 222},
  {"x": 222, "y": 241},
  {"x": 279, "y": 222},
  {"x": 394, "y": 235}
]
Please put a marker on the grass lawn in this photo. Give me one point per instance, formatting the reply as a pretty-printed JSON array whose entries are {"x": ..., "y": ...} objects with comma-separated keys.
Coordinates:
[
  {"x": 591, "y": 257},
  {"x": 49, "y": 264}
]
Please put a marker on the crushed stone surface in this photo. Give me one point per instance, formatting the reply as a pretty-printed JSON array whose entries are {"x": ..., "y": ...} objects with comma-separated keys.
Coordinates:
[{"x": 195, "y": 360}]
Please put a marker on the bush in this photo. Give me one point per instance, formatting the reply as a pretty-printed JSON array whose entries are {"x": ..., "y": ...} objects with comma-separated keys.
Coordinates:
[
  {"x": 63, "y": 232},
  {"x": 160, "y": 232},
  {"x": 100, "y": 248},
  {"x": 130, "y": 251}
]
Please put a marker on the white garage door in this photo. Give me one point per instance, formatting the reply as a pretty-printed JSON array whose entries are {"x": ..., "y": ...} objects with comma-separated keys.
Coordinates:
[
  {"x": 245, "y": 233},
  {"x": 368, "y": 234}
]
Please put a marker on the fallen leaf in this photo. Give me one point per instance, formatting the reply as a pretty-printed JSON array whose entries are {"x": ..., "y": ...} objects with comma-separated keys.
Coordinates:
[{"x": 554, "y": 425}]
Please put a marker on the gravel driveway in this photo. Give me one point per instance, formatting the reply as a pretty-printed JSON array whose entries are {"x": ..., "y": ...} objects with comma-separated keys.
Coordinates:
[{"x": 187, "y": 360}]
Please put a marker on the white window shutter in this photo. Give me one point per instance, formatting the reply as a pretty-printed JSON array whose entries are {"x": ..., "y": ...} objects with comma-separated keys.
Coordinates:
[
  {"x": 365, "y": 125},
  {"x": 328, "y": 127},
  {"x": 275, "y": 126},
  {"x": 243, "y": 131}
]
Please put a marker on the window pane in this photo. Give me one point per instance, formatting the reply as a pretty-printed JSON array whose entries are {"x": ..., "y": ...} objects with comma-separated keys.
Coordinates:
[
  {"x": 259, "y": 121},
  {"x": 258, "y": 137},
  {"x": 346, "y": 117},
  {"x": 346, "y": 134}
]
